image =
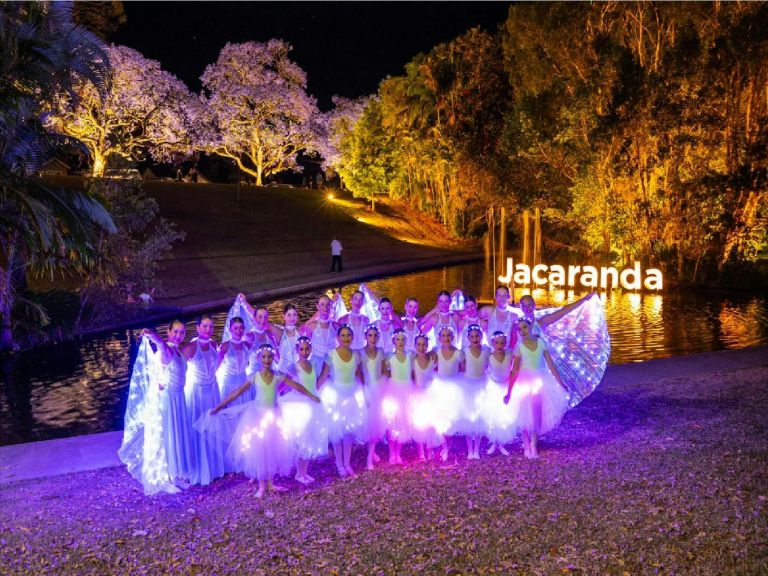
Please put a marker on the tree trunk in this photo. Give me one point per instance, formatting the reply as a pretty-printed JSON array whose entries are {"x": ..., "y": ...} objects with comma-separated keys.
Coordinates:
[{"x": 99, "y": 165}]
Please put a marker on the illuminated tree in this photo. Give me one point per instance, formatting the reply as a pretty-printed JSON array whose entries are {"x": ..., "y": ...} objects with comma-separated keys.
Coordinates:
[
  {"x": 145, "y": 110},
  {"x": 258, "y": 110},
  {"x": 41, "y": 228}
]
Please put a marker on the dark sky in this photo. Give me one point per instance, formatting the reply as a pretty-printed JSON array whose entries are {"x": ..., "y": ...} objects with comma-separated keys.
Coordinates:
[{"x": 346, "y": 48}]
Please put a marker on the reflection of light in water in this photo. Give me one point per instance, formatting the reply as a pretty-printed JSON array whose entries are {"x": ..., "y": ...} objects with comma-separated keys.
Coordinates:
[{"x": 742, "y": 326}]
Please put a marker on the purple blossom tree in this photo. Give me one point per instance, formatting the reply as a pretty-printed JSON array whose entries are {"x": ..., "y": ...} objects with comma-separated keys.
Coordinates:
[
  {"x": 259, "y": 113},
  {"x": 144, "y": 110},
  {"x": 338, "y": 124}
]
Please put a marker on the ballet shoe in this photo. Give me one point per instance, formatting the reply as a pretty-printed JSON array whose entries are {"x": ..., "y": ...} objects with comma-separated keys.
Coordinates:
[
  {"x": 473, "y": 456},
  {"x": 491, "y": 450},
  {"x": 350, "y": 472},
  {"x": 302, "y": 480},
  {"x": 171, "y": 489},
  {"x": 181, "y": 483},
  {"x": 527, "y": 452},
  {"x": 504, "y": 451},
  {"x": 392, "y": 460}
]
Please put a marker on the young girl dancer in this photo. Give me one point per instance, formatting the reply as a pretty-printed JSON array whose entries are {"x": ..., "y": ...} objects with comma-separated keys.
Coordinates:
[
  {"x": 410, "y": 323},
  {"x": 233, "y": 362},
  {"x": 498, "y": 420},
  {"x": 500, "y": 318},
  {"x": 311, "y": 433},
  {"x": 446, "y": 391},
  {"x": 476, "y": 361},
  {"x": 261, "y": 446},
  {"x": 536, "y": 395},
  {"x": 469, "y": 317},
  {"x": 421, "y": 411},
  {"x": 286, "y": 347},
  {"x": 356, "y": 320},
  {"x": 387, "y": 324},
  {"x": 397, "y": 396},
  {"x": 321, "y": 330},
  {"x": 344, "y": 400},
  {"x": 372, "y": 360},
  {"x": 202, "y": 394}
]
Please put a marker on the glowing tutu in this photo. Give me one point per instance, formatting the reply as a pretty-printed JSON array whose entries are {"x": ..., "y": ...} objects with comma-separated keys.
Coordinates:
[
  {"x": 442, "y": 408},
  {"x": 499, "y": 421},
  {"x": 395, "y": 408},
  {"x": 375, "y": 424},
  {"x": 536, "y": 390},
  {"x": 470, "y": 420},
  {"x": 345, "y": 409},
  {"x": 307, "y": 424},
  {"x": 421, "y": 415},
  {"x": 262, "y": 445}
]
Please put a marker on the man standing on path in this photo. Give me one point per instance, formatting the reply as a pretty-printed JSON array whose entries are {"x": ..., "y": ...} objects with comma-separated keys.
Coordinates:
[{"x": 336, "y": 249}]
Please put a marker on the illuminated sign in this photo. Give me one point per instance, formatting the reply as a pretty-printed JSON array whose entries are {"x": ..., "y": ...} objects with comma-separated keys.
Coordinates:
[{"x": 588, "y": 276}]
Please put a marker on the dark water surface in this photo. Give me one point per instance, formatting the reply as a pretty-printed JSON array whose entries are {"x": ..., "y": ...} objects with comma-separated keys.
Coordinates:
[{"x": 81, "y": 387}]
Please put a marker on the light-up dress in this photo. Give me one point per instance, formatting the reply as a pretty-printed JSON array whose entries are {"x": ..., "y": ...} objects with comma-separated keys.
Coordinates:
[
  {"x": 157, "y": 445},
  {"x": 344, "y": 399},
  {"x": 536, "y": 389},
  {"x": 473, "y": 382},
  {"x": 202, "y": 394},
  {"x": 422, "y": 416},
  {"x": 262, "y": 445},
  {"x": 395, "y": 406},
  {"x": 499, "y": 420},
  {"x": 445, "y": 393},
  {"x": 232, "y": 372},
  {"x": 305, "y": 418},
  {"x": 374, "y": 385}
]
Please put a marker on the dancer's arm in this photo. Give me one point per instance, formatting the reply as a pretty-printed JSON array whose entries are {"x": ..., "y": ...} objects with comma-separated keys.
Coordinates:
[
  {"x": 556, "y": 315},
  {"x": 512, "y": 377},
  {"x": 324, "y": 373},
  {"x": 248, "y": 308},
  {"x": 232, "y": 396},
  {"x": 165, "y": 351},
  {"x": 222, "y": 352},
  {"x": 189, "y": 350}
]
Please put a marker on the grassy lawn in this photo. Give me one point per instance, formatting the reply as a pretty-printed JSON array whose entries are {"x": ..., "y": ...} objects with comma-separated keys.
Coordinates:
[{"x": 662, "y": 478}]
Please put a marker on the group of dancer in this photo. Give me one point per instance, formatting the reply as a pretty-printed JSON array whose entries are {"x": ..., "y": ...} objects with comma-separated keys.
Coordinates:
[{"x": 271, "y": 398}]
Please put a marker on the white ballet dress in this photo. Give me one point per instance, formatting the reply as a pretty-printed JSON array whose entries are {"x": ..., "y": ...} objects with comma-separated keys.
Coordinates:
[
  {"x": 323, "y": 340},
  {"x": 287, "y": 349},
  {"x": 499, "y": 421},
  {"x": 422, "y": 416},
  {"x": 176, "y": 425},
  {"x": 343, "y": 399},
  {"x": 504, "y": 325},
  {"x": 395, "y": 405},
  {"x": 358, "y": 323},
  {"x": 374, "y": 384},
  {"x": 232, "y": 372},
  {"x": 410, "y": 333},
  {"x": 305, "y": 418},
  {"x": 202, "y": 394},
  {"x": 537, "y": 402},
  {"x": 473, "y": 385},
  {"x": 385, "y": 336},
  {"x": 445, "y": 392}
]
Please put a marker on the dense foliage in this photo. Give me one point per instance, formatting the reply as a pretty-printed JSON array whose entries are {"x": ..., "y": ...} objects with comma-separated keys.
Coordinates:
[{"x": 639, "y": 129}]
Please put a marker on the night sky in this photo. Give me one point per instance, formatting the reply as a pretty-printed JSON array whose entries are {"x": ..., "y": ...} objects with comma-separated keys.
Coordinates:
[{"x": 346, "y": 48}]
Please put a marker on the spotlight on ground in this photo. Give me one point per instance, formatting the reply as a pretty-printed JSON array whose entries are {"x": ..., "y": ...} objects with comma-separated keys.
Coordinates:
[{"x": 330, "y": 196}]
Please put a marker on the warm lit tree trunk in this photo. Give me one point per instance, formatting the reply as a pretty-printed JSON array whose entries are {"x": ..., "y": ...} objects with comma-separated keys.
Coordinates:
[{"x": 99, "y": 164}]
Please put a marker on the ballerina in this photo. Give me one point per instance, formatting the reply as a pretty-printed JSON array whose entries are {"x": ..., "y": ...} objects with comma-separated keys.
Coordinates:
[
  {"x": 395, "y": 405},
  {"x": 202, "y": 394},
  {"x": 500, "y": 318},
  {"x": 308, "y": 419},
  {"x": 233, "y": 361},
  {"x": 387, "y": 324},
  {"x": 356, "y": 319},
  {"x": 536, "y": 394},
  {"x": 476, "y": 362},
  {"x": 372, "y": 359},
  {"x": 445, "y": 391},
  {"x": 422, "y": 421},
  {"x": 498, "y": 420},
  {"x": 262, "y": 446},
  {"x": 410, "y": 323},
  {"x": 344, "y": 400},
  {"x": 286, "y": 348},
  {"x": 468, "y": 317},
  {"x": 157, "y": 445},
  {"x": 440, "y": 315},
  {"x": 320, "y": 329}
]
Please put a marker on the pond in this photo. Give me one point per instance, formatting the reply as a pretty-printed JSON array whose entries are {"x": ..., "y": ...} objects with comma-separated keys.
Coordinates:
[{"x": 81, "y": 387}]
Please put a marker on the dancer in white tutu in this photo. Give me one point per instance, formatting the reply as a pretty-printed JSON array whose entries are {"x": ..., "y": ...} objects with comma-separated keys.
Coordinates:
[
  {"x": 344, "y": 400},
  {"x": 421, "y": 408},
  {"x": 306, "y": 418},
  {"x": 410, "y": 323},
  {"x": 474, "y": 384},
  {"x": 157, "y": 446},
  {"x": 202, "y": 394},
  {"x": 372, "y": 359},
  {"x": 469, "y": 317},
  {"x": 262, "y": 445},
  {"x": 356, "y": 320},
  {"x": 500, "y": 318},
  {"x": 445, "y": 391},
  {"x": 396, "y": 403},
  {"x": 321, "y": 330},
  {"x": 387, "y": 324},
  {"x": 440, "y": 315},
  {"x": 286, "y": 343},
  {"x": 499, "y": 422},
  {"x": 233, "y": 362},
  {"x": 536, "y": 395}
]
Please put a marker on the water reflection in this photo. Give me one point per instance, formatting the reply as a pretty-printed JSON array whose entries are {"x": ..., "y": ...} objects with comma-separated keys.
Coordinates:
[{"x": 81, "y": 387}]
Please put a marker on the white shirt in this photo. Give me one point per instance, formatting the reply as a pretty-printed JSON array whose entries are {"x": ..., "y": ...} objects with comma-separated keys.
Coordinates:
[{"x": 336, "y": 248}]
